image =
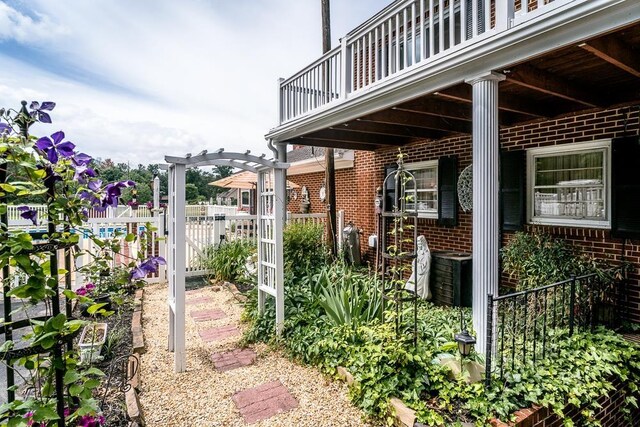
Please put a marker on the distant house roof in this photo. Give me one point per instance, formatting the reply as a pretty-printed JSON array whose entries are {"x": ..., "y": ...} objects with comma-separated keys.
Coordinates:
[
  {"x": 302, "y": 160},
  {"x": 307, "y": 152}
]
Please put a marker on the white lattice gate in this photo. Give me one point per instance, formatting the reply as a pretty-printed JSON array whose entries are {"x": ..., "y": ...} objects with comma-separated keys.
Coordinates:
[
  {"x": 271, "y": 214},
  {"x": 270, "y": 177}
]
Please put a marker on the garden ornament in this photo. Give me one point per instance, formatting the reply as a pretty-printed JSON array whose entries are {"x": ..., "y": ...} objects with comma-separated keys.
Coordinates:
[{"x": 419, "y": 280}]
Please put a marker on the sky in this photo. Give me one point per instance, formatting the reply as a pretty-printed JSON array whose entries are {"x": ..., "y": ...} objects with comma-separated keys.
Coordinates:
[{"x": 137, "y": 80}]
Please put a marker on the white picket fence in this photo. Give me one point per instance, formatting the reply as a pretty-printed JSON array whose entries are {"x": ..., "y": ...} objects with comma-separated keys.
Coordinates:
[
  {"x": 206, "y": 227},
  {"x": 205, "y": 232}
]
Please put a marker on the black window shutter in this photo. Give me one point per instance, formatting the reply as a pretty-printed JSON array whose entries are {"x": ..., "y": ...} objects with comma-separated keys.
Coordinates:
[
  {"x": 512, "y": 190},
  {"x": 448, "y": 191},
  {"x": 391, "y": 199},
  {"x": 625, "y": 187}
]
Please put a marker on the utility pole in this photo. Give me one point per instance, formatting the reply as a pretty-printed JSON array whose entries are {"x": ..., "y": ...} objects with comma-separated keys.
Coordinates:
[{"x": 330, "y": 170}]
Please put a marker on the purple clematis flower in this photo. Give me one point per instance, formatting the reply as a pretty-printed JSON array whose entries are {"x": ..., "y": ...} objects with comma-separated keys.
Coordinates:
[
  {"x": 54, "y": 146},
  {"x": 113, "y": 191},
  {"x": 150, "y": 265},
  {"x": 38, "y": 111},
  {"x": 5, "y": 129},
  {"x": 81, "y": 163},
  {"x": 30, "y": 214}
]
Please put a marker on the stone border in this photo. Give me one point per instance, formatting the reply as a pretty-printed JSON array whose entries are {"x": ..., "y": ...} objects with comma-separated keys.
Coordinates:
[
  {"x": 134, "y": 410},
  {"x": 404, "y": 416}
]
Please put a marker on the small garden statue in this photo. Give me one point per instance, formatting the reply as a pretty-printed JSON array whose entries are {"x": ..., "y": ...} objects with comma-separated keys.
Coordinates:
[
  {"x": 305, "y": 204},
  {"x": 419, "y": 280}
]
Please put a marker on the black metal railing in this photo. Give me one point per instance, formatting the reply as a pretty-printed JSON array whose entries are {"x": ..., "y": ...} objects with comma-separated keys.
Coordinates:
[{"x": 522, "y": 326}]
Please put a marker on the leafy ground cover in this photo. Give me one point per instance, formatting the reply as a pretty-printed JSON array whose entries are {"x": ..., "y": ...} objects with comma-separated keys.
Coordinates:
[{"x": 332, "y": 319}]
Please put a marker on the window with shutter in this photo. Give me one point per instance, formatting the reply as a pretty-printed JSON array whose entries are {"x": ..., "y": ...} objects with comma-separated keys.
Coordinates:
[
  {"x": 625, "y": 188},
  {"x": 447, "y": 191},
  {"x": 512, "y": 190}
]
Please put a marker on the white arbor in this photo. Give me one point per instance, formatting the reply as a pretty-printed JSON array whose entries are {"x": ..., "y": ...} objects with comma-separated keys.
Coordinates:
[{"x": 271, "y": 208}]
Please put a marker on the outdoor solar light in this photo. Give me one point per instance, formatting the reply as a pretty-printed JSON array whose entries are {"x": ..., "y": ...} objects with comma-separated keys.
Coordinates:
[
  {"x": 464, "y": 339},
  {"x": 465, "y": 342}
]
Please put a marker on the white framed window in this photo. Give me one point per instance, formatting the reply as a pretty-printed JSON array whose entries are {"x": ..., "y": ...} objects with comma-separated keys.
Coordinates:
[
  {"x": 246, "y": 198},
  {"x": 570, "y": 184},
  {"x": 425, "y": 195}
]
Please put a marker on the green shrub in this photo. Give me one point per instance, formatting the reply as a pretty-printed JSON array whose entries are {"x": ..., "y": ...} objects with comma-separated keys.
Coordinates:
[
  {"x": 304, "y": 249},
  {"x": 538, "y": 259},
  {"x": 348, "y": 297},
  {"x": 227, "y": 261}
]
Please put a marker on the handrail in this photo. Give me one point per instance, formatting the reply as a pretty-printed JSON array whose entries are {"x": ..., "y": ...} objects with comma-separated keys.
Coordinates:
[
  {"x": 404, "y": 35},
  {"x": 326, "y": 55}
]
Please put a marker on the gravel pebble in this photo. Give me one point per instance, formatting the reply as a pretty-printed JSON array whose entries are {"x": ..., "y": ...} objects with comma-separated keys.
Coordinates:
[{"x": 202, "y": 396}]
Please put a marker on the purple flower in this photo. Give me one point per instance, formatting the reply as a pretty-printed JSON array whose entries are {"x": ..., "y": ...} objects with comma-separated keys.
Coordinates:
[
  {"x": 28, "y": 213},
  {"x": 113, "y": 191},
  {"x": 82, "y": 291},
  {"x": 90, "y": 287},
  {"x": 150, "y": 265},
  {"x": 38, "y": 111},
  {"x": 81, "y": 159},
  {"x": 29, "y": 417},
  {"x": 55, "y": 147},
  {"x": 4, "y": 129}
]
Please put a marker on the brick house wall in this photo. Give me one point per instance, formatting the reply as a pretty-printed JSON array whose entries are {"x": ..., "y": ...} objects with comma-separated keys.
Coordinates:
[{"x": 356, "y": 188}]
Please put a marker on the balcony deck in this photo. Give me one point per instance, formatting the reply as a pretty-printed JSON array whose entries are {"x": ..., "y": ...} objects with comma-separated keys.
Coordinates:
[{"x": 415, "y": 50}]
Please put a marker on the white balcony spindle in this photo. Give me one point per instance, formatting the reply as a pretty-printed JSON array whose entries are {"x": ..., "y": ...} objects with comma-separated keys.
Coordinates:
[
  {"x": 405, "y": 37},
  {"x": 370, "y": 56},
  {"x": 463, "y": 21},
  {"x": 280, "y": 111},
  {"x": 376, "y": 62},
  {"x": 414, "y": 34},
  {"x": 397, "y": 39},
  {"x": 423, "y": 32},
  {"x": 452, "y": 24},
  {"x": 432, "y": 34},
  {"x": 487, "y": 15}
]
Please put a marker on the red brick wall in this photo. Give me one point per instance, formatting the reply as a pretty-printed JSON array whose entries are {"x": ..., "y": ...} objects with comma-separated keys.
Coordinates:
[{"x": 356, "y": 188}]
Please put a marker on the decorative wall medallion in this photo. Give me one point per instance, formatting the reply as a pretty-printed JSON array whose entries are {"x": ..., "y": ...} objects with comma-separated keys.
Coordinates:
[{"x": 465, "y": 188}]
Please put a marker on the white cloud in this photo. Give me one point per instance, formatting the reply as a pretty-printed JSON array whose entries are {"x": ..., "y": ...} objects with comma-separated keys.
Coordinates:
[
  {"x": 17, "y": 26},
  {"x": 142, "y": 79}
]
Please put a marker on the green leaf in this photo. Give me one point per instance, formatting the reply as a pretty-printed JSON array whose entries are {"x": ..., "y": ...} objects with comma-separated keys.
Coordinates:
[
  {"x": 71, "y": 376},
  {"x": 95, "y": 307}
]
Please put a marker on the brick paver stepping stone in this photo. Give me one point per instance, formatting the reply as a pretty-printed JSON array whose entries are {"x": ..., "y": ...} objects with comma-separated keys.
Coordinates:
[
  {"x": 219, "y": 333},
  {"x": 265, "y": 401},
  {"x": 204, "y": 315},
  {"x": 233, "y": 359},
  {"x": 198, "y": 300}
]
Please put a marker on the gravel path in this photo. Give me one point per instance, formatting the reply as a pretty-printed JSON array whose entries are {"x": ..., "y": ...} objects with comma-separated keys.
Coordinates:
[{"x": 202, "y": 395}]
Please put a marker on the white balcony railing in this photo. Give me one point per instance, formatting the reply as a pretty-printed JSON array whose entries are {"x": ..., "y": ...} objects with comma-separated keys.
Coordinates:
[{"x": 408, "y": 34}]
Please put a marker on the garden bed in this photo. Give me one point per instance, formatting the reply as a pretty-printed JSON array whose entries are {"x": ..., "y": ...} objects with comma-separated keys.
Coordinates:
[{"x": 117, "y": 346}]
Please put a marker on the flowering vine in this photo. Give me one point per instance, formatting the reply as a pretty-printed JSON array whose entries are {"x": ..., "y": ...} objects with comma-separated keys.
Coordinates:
[{"x": 51, "y": 168}]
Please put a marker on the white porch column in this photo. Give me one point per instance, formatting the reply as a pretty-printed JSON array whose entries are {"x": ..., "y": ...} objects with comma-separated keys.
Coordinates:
[{"x": 485, "y": 198}]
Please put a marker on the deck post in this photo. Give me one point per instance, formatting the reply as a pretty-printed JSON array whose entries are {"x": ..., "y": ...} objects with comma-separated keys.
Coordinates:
[
  {"x": 485, "y": 198},
  {"x": 345, "y": 69},
  {"x": 504, "y": 14}
]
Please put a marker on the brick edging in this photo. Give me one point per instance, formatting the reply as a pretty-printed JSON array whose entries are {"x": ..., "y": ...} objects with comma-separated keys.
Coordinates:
[{"x": 134, "y": 410}]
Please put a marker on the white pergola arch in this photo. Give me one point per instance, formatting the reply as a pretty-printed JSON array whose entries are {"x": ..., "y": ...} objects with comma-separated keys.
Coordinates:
[{"x": 271, "y": 208}]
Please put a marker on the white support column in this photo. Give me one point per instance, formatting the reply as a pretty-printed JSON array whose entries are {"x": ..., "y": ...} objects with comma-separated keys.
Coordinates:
[
  {"x": 156, "y": 196},
  {"x": 260, "y": 236},
  {"x": 179, "y": 241},
  {"x": 485, "y": 198},
  {"x": 280, "y": 207},
  {"x": 171, "y": 266}
]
